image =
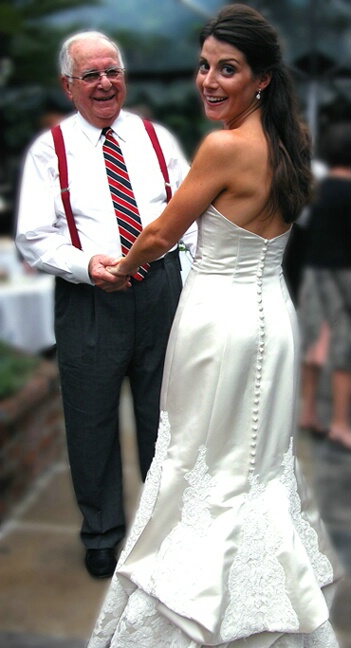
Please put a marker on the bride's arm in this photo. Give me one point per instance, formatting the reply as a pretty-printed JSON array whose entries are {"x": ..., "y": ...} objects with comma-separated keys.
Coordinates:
[{"x": 204, "y": 182}]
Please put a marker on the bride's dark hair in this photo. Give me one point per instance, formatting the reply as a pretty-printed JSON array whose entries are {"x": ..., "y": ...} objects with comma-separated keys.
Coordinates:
[{"x": 289, "y": 142}]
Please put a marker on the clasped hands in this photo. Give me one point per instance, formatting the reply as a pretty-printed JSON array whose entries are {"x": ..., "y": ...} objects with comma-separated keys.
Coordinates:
[{"x": 105, "y": 274}]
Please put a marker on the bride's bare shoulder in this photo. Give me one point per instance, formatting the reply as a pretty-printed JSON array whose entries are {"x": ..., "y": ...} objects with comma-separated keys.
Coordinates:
[
  {"x": 227, "y": 138},
  {"x": 221, "y": 145}
]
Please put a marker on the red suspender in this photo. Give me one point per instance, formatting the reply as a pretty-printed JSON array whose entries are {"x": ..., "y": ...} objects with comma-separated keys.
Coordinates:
[
  {"x": 161, "y": 160},
  {"x": 62, "y": 166}
]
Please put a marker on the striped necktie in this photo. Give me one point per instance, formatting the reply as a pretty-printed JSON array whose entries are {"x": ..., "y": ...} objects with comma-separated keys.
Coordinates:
[{"x": 126, "y": 209}]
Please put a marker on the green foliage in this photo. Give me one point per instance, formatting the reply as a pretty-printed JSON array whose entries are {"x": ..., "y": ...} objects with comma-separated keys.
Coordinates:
[
  {"x": 21, "y": 11},
  {"x": 15, "y": 369},
  {"x": 10, "y": 19},
  {"x": 26, "y": 39}
]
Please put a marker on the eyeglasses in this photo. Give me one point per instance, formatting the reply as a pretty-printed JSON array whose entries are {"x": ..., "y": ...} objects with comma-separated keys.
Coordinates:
[{"x": 112, "y": 74}]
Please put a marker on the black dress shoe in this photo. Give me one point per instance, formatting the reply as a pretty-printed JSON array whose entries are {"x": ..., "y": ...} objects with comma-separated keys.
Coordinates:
[{"x": 100, "y": 563}]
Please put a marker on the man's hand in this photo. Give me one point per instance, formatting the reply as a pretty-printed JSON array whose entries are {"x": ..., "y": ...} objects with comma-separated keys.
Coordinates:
[{"x": 104, "y": 279}]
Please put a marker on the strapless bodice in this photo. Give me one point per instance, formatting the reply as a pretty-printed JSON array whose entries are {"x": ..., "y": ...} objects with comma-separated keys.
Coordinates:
[{"x": 229, "y": 250}]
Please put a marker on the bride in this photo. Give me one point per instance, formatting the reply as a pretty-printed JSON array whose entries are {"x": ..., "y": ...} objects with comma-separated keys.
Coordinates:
[{"x": 227, "y": 548}]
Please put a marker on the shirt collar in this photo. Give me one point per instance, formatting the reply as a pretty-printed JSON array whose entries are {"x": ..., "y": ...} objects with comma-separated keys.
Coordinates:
[{"x": 119, "y": 127}]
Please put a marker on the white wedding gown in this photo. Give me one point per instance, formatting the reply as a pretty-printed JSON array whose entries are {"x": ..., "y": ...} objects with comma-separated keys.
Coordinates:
[{"x": 227, "y": 548}]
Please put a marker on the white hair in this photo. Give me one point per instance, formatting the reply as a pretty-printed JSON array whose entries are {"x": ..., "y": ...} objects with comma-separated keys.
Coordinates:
[{"x": 66, "y": 62}]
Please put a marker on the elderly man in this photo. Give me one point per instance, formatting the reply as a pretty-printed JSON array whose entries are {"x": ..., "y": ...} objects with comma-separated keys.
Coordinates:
[{"x": 103, "y": 332}]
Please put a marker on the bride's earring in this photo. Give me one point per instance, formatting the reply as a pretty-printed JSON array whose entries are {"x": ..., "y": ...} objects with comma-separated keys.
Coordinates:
[{"x": 258, "y": 96}]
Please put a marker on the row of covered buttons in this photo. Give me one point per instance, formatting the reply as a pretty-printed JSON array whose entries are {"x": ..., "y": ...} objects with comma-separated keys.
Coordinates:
[{"x": 261, "y": 342}]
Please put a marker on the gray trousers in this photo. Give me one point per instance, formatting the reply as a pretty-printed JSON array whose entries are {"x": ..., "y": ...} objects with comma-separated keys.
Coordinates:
[{"x": 102, "y": 338}]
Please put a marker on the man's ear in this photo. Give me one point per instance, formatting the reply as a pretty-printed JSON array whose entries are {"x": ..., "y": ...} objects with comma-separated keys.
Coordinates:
[{"x": 66, "y": 86}]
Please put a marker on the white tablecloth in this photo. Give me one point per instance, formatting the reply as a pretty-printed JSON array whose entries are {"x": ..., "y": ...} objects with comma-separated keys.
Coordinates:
[
  {"x": 26, "y": 303},
  {"x": 27, "y": 312}
]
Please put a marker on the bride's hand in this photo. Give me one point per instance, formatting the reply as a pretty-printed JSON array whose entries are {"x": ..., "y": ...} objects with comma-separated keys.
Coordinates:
[{"x": 117, "y": 268}]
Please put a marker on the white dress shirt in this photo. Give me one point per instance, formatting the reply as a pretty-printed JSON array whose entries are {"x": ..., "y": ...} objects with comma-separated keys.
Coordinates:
[{"x": 42, "y": 231}]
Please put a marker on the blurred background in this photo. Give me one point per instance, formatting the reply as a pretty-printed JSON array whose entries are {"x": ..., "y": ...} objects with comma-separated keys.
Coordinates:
[{"x": 46, "y": 598}]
